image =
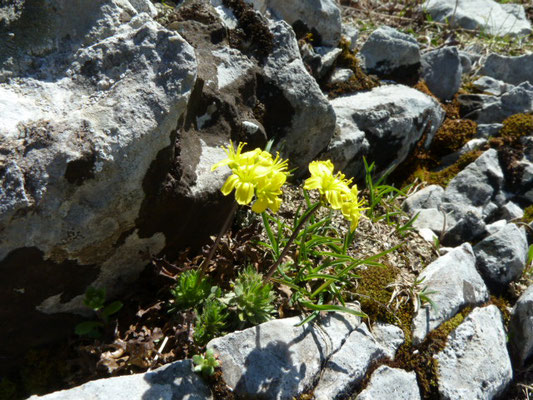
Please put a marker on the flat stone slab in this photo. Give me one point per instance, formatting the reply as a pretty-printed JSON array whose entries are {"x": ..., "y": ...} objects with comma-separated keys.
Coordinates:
[
  {"x": 391, "y": 383},
  {"x": 170, "y": 382},
  {"x": 278, "y": 359},
  {"x": 475, "y": 363}
]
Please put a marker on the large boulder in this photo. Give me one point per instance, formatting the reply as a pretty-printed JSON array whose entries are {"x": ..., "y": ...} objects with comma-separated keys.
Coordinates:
[
  {"x": 487, "y": 15},
  {"x": 393, "y": 117},
  {"x": 91, "y": 95}
]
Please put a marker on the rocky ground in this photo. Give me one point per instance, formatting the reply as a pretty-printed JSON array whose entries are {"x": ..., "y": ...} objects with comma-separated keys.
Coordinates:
[{"x": 112, "y": 115}]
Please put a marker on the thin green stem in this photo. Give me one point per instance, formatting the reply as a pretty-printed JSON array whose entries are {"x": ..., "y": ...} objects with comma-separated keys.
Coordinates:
[
  {"x": 310, "y": 211},
  {"x": 207, "y": 260}
]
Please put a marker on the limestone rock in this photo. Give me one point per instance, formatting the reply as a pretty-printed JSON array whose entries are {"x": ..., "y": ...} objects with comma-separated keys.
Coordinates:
[
  {"x": 390, "y": 52},
  {"x": 501, "y": 257},
  {"x": 348, "y": 366},
  {"x": 391, "y": 383},
  {"x": 442, "y": 71},
  {"x": 521, "y": 328},
  {"x": 488, "y": 15},
  {"x": 428, "y": 197},
  {"x": 394, "y": 116},
  {"x": 277, "y": 359},
  {"x": 172, "y": 381},
  {"x": 513, "y": 70},
  {"x": 475, "y": 363},
  {"x": 456, "y": 283}
]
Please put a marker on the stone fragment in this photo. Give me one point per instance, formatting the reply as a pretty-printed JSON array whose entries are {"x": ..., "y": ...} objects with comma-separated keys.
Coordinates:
[
  {"x": 348, "y": 366},
  {"x": 456, "y": 284},
  {"x": 393, "y": 116},
  {"x": 328, "y": 56},
  {"x": 487, "y": 15},
  {"x": 511, "y": 210},
  {"x": 389, "y": 336},
  {"x": 469, "y": 227},
  {"x": 501, "y": 257},
  {"x": 469, "y": 146},
  {"x": 475, "y": 363},
  {"x": 388, "y": 383},
  {"x": 312, "y": 118},
  {"x": 172, "y": 381},
  {"x": 350, "y": 33},
  {"x": 521, "y": 329},
  {"x": 278, "y": 359},
  {"x": 509, "y": 69},
  {"x": 490, "y": 85},
  {"x": 429, "y": 218},
  {"x": 495, "y": 226},
  {"x": 488, "y": 130},
  {"x": 340, "y": 75},
  {"x": 388, "y": 51},
  {"x": 428, "y": 197},
  {"x": 442, "y": 71}
]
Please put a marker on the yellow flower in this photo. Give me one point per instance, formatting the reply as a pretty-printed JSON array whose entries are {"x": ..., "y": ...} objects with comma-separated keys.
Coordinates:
[
  {"x": 332, "y": 187},
  {"x": 268, "y": 191},
  {"x": 256, "y": 173},
  {"x": 352, "y": 207}
]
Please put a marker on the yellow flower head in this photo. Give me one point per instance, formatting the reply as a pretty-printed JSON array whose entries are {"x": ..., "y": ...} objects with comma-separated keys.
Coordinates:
[
  {"x": 256, "y": 173},
  {"x": 352, "y": 207},
  {"x": 332, "y": 187}
]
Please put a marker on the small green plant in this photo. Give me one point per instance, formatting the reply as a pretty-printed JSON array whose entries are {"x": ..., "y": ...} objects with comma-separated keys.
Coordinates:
[
  {"x": 421, "y": 295},
  {"x": 192, "y": 289},
  {"x": 251, "y": 297},
  {"x": 95, "y": 300},
  {"x": 210, "y": 322},
  {"x": 205, "y": 364}
]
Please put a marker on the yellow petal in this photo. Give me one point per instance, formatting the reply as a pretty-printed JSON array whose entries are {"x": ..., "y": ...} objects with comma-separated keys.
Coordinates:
[
  {"x": 229, "y": 185},
  {"x": 244, "y": 193},
  {"x": 260, "y": 205}
]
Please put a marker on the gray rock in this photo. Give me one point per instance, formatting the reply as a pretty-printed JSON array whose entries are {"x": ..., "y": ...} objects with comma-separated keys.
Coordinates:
[
  {"x": 428, "y": 197},
  {"x": 475, "y": 363},
  {"x": 513, "y": 70},
  {"x": 521, "y": 329},
  {"x": 277, "y": 359},
  {"x": 511, "y": 210},
  {"x": 340, "y": 75},
  {"x": 394, "y": 116},
  {"x": 389, "y": 336},
  {"x": 172, "y": 381},
  {"x": 347, "y": 367},
  {"x": 466, "y": 61},
  {"x": 469, "y": 146},
  {"x": 486, "y": 109},
  {"x": 490, "y": 85},
  {"x": 501, "y": 257},
  {"x": 391, "y": 383},
  {"x": 388, "y": 51},
  {"x": 79, "y": 137},
  {"x": 488, "y": 130},
  {"x": 350, "y": 33},
  {"x": 478, "y": 183},
  {"x": 469, "y": 227},
  {"x": 312, "y": 123},
  {"x": 322, "y": 15},
  {"x": 442, "y": 71},
  {"x": 428, "y": 235},
  {"x": 429, "y": 218},
  {"x": 456, "y": 283},
  {"x": 487, "y": 15},
  {"x": 495, "y": 226},
  {"x": 328, "y": 56}
]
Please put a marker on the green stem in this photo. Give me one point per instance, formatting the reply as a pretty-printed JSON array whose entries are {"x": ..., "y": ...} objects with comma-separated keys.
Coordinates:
[
  {"x": 207, "y": 260},
  {"x": 304, "y": 219}
]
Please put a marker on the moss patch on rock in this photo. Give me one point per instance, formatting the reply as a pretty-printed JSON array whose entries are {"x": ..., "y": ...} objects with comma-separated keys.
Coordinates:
[
  {"x": 360, "y": 80},
  {"x": 452, "y": 135}
]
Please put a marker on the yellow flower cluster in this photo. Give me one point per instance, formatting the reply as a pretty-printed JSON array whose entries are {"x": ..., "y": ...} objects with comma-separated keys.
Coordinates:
[
  {"x": 336, "y": 190},
  {"x": 257, "y": 173}
]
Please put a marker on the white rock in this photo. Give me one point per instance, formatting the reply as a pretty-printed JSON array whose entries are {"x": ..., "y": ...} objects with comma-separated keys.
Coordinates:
[
  {"x": 456, "y": 284},
  {"x": 475, "y": 363},
  {"x": 390, "y": 383},
  {"x": 340, "y": 75},
  {"x": 389, "y": 336},
  {"x": 521, "y": 328}
]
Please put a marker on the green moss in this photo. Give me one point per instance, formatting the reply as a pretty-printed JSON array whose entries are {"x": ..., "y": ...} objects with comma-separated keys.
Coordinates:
[
  {"x": 528, "y": 215},
  {"x": 516, "y": 126},
  {"x": 360, "y": 81},
  {"x": 446, "y": 175},
  {"x": 374, "y": 291},
  {"x": 452, "y": 135},
  {"x": 504, "y": 306}
]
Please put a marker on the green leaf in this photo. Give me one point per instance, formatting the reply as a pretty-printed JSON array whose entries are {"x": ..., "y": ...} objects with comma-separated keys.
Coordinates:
[
  {"x": 332, "y": 308},
  {"x": 112, "y": 308},
  {"x": 88, "y": 328},
  {"x": 530, "y": 254}
]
